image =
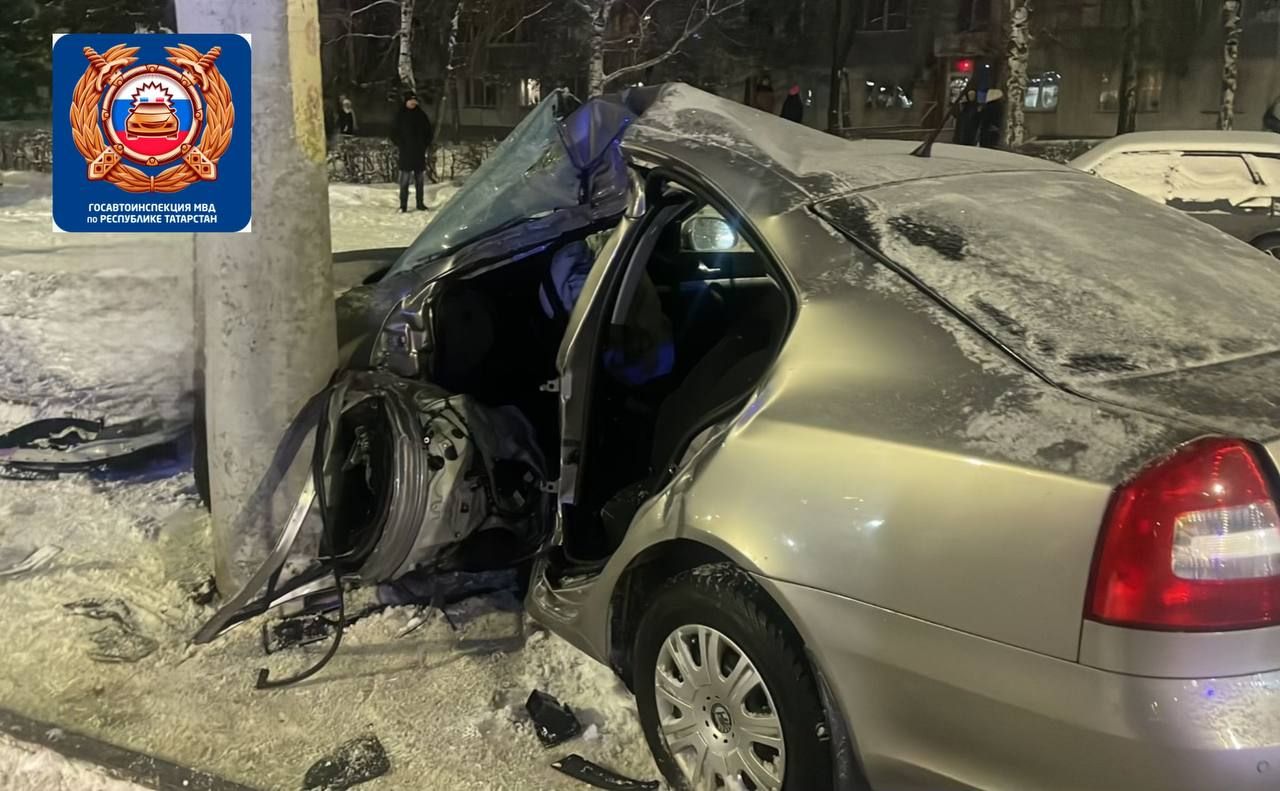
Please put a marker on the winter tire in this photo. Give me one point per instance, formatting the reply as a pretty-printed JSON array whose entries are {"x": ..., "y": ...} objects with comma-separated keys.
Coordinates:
[{"x": 724, "y": 691}]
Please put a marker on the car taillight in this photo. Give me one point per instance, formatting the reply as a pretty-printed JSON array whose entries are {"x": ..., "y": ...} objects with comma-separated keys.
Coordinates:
[{"x": 1192, "y": 543}]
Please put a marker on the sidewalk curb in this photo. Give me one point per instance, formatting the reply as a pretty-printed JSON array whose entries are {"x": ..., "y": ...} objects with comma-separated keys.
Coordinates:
[{"x": 120, "y": 763}]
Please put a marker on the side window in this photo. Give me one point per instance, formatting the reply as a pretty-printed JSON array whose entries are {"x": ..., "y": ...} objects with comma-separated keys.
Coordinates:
[
  {"x": 1212, "y": 180},
  {"x": 1145, "y": 172}
]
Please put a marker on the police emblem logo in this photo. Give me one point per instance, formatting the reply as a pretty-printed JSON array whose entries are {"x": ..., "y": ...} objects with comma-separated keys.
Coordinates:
[
  {"x": 154, "y": 134},
  {"x": 151, "y": 114}
]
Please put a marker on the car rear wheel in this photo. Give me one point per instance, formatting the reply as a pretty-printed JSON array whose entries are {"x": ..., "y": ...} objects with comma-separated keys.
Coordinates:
[
  {"x": 1269, "y": 244},
  {"x": 726, "y": 698}
]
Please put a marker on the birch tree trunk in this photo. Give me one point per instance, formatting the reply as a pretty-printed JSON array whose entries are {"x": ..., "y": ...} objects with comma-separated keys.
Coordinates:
[
  {"x": 405, "y": 63},
  {"x": 599, "y": 26},
  {"x": 1231, "y": 25},
  {"x": 450, "y": 92},
  {"x": 1127, "y": 120},
  {"x": 1019, "y": 39}
]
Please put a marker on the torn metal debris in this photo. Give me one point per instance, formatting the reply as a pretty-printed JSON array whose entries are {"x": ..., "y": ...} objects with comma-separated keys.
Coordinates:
[
  {"x": 44, "y": 448},
  {"x": 597, "y": 776}
]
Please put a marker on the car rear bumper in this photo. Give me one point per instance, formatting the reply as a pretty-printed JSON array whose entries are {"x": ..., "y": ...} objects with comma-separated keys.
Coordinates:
[{"x": 933, "y": 708}]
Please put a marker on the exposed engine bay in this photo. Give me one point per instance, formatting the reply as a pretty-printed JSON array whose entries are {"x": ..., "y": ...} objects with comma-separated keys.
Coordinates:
[{"x": 405, "y": 476}]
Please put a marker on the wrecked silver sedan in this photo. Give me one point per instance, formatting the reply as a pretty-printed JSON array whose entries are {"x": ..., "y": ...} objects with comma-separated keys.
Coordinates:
[{"x": 862, "y": 469}]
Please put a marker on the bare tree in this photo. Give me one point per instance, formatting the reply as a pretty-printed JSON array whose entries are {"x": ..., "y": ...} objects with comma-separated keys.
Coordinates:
[
  {"x": 642, "y": 39},
  {"x": 1231, "y": 25},
  {"x": 1018, "y": 28},
  {"x": 360, "y": 25},
  {"x": 844, "y": 28},
  {"x": 1127, "y": 120},
  {"x": 404, "y": 64},
  {"x": 450, "y": 100}
]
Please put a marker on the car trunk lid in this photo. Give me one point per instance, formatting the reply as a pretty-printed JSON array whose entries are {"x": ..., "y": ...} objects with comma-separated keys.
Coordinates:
[{"x": 1234, "y": 398}]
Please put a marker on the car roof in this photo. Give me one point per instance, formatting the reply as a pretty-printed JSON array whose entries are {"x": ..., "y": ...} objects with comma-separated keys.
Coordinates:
[
  {"x": 1206, "y": 140},
  {"x": 742, "y": 149}
]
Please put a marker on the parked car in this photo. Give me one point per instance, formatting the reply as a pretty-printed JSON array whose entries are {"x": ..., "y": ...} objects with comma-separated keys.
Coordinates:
[
  {"x": 963, "y": 477},
  {"x": 1230, "y": 180}
]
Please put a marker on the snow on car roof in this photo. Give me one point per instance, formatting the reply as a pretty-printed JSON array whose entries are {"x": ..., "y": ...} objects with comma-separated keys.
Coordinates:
[
  {"x": 1191, "y": 140},
  {"x": 716, "y": 135}
]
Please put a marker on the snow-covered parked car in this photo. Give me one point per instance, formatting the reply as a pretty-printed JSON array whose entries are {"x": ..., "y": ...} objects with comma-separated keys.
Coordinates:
[
  {"x": 1230, "y": 180},
  {"x": 950, "y": 472}
]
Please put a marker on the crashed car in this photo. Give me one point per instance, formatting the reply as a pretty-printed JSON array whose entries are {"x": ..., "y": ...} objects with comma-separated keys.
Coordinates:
[{"x": 961, "y": 472}]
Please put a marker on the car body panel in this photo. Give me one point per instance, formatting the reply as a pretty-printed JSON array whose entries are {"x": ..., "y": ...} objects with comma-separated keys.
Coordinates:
[
  {"x": 1180, "y": 654},
  {"x": 933, "y": 708},
  {"x": 879, "y": 460}
]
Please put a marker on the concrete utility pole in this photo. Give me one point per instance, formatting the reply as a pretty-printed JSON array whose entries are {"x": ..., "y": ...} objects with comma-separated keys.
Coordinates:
[{"x": 265, "y": 326}]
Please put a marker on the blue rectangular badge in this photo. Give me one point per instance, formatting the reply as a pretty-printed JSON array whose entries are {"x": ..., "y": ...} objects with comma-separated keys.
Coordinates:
[{"x": 151, "y": 133}]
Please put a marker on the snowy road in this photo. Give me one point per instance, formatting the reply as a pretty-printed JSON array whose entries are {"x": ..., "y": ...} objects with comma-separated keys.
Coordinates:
[{"x": 84, "y": 328}]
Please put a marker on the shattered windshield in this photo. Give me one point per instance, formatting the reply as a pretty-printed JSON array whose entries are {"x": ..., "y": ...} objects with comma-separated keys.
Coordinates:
[
  {"x": 1083, "y": 279},
  {"x": 487, "y": 201}
]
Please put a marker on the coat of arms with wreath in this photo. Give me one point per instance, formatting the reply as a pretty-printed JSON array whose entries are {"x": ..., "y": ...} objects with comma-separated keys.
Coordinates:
[{"x": 125, "y": 118}]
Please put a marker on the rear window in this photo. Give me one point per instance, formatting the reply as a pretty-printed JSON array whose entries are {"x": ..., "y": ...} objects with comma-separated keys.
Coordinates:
[{"x": 1083, "y": 279}]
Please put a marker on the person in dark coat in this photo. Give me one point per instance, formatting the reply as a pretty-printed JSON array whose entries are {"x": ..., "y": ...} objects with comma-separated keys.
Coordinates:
[
  {"x": 764, "y": 95},
  {"x": 967, "y": 120},
  {"x": 346, "y": 117},
  {"x": 413, "y": 134},
  {"x": 793, "y": 106},
  {"x": 1271, "y": 119},
  {"x": 991, "y": 119}
]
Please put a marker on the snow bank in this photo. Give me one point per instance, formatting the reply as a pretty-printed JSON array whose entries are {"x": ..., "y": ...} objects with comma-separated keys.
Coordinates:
[
  {"x": 100, "y": 325},
  {"x": 26, "y": 767}
]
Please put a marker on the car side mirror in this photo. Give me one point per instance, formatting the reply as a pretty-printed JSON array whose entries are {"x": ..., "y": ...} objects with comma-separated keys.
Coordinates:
[{"x": 709, "y": 235}]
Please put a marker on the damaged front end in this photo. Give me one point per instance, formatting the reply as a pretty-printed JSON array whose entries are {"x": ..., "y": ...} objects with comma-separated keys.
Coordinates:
[{"x": 405, "y": 477}]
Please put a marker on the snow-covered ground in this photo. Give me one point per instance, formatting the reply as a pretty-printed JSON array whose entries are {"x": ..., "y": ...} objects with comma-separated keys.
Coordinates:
[
  {"x": 26, "y": 767},
  {"x": 86, "y": 328}
]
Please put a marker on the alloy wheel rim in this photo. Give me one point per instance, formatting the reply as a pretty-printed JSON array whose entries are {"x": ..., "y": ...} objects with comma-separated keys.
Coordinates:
[{"x": 716, "y": 715}]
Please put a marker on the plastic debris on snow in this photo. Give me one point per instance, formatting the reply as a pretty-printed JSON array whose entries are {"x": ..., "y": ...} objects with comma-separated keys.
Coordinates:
[
  {"x": 15, "y": 564},
  {"x": 121, "y": 639},
  {"x": 553, "y": 721},
  {"x": 597, "y": 776},
  {"x": 358, "y": 761}
]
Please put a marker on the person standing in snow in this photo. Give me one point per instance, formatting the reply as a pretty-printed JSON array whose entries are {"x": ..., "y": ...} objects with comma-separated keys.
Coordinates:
[
  {"x": 346, "y": 117},
  {"x": 793, "y": 106},
  {"x": 412, "y": 136},
  {"x": 763, "y": 97}
]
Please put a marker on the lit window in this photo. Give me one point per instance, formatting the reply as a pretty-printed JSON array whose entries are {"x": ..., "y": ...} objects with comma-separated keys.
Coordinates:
[
  {"x": 1042, "y": 91},
  {"x": 886, "y": 14},
  {"x": 530, "y": 92},
  {"x": 1150, "y": 86},
  {"x": 887, "y": 96}
]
